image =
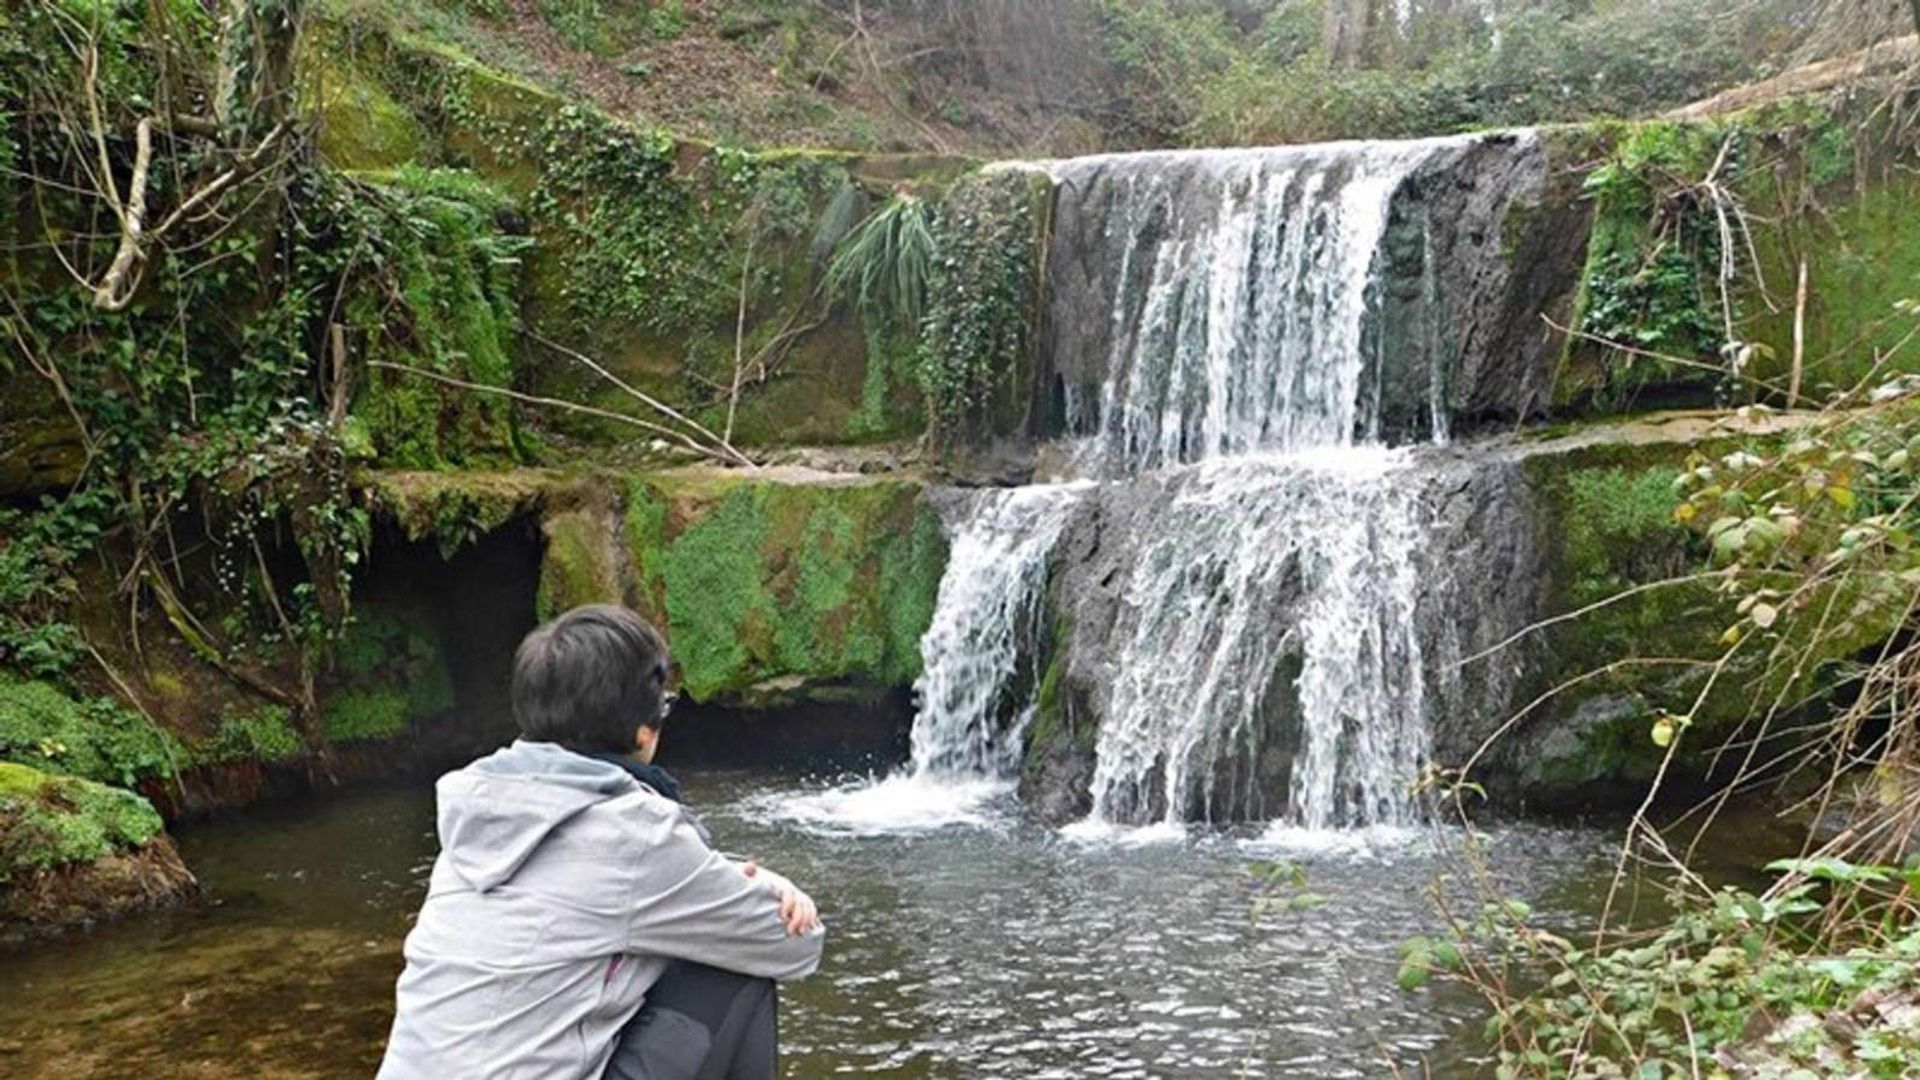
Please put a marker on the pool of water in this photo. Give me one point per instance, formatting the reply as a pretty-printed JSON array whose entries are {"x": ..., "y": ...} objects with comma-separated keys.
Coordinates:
[{"x": 965, "y": 940}]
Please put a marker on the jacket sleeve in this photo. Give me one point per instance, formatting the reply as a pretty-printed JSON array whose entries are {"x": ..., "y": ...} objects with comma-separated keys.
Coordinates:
[{"x": 696, "y": 905}]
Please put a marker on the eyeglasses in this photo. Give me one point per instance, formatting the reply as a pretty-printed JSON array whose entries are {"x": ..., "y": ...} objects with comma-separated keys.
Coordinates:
[{"x": 666, "y": 703}]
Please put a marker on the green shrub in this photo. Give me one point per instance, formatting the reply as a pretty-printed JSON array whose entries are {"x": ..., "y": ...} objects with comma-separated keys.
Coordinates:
[{"x": 265, "y": 735}]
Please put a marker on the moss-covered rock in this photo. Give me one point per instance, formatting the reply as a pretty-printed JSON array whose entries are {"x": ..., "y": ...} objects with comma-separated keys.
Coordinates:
[
  {"x": 359, "y": 124},
  {"x": 48, "y": 820},
  {"x": 1057, "y": 772},
  {"x": 582, "y": 561},
  {"x": 1636, "y": 629},
  {"x": 73, "y": 851},
  {"x": 757, "y": 582},
  {"x": 390, "y": 674},
  {"x": 457, "y": 272},
  {"x": 456, "y": 508},
  {"x": 96, "y": 739}
]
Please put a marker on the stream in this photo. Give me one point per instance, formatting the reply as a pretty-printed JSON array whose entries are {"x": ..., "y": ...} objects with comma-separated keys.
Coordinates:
[{"x": 988, "y": 945}]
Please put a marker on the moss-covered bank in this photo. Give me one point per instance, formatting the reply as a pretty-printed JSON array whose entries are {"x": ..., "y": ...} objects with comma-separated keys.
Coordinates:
[
  {"x": 1634, "y": 624},
  {"x": 669, "y": 261},
  {"x": 773, "y": 586},
  {"x": 73, "y": 851},
  {"x": 767, "y": 588},
  {"x": 1700, "y": 231}
]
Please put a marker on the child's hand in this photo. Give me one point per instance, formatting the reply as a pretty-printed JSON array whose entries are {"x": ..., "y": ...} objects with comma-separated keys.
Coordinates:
[{"x": 797, "y": 909}]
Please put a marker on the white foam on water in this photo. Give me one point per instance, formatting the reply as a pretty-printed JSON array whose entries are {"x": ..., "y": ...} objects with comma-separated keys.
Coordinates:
[
  {"x": 1372, "y": 842},
  {"x": 904, "y": 803},
  {"x": 1095, "y": 832}
]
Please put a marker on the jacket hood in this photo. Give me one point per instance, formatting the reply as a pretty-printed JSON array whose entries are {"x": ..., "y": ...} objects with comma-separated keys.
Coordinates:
[{"x": 495, "y": 812}]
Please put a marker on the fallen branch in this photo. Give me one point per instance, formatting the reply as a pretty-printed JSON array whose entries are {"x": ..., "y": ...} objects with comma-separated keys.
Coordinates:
[
  {"x": 739, "y": 339},
  {"x": 1646, "y": 354},
  {"x": 722, "y": 448},
  {"x": 727, "y": 455},
  {"x": 203, "y": 645}
]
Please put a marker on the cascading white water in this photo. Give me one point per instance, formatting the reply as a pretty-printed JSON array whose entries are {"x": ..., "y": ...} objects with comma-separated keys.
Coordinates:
[
  {"x": 974, "y": 706},
  {"x": 988, "y": 610},
  {"x": 1220, "y": 326},
  {"x": 1262, "y": 569},
  {"x": 1240, "y": 310}
]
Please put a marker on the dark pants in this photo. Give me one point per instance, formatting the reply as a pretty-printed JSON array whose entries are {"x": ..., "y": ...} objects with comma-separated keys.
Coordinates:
[{"x": 701, "y": 1023}]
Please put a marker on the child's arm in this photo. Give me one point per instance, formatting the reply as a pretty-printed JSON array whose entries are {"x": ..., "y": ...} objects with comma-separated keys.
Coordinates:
[{"x": 698, "y": 905}]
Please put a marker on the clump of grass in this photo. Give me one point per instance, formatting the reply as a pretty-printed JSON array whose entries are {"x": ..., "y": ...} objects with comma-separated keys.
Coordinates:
[{"x": 884, "y": 264}]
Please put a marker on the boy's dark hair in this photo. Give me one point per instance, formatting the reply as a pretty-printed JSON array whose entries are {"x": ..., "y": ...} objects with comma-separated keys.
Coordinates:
[{"x": 587, "y": 679}]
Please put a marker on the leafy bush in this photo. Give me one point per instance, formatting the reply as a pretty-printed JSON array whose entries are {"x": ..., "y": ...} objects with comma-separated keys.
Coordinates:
[
  {"x": 1732, "y": 981},
  {"x": 265, "y": 735}
]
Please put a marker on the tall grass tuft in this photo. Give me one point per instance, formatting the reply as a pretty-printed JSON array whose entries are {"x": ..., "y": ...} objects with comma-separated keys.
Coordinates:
[{"x": 883, "y": 265}]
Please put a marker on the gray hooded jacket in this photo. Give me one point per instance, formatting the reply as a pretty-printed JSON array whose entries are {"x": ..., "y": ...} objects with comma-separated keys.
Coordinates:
[{"x": 563, "y": 889}]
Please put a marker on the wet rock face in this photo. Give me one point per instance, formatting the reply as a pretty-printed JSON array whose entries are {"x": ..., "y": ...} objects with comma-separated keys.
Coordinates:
[
  {"x": 1467, "y": 266},
  {"x": 1486, "y": 576}
]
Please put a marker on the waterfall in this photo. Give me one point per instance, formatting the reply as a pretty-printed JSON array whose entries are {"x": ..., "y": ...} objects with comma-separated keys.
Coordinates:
[
  {"x": 986, "y": 619},
  {"x": 1238, "y": 335},
  {"x": 976, "y": 685},
  {"x": 1260, "y": 571},
  {"x": 1240, "y": 291}
]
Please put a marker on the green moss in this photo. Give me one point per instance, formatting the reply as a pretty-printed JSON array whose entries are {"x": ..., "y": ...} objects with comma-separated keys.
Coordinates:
[
  {"x": 1616, "y": 524},
  {"x": 98, "y": 739},
  {"x": 1051, "y": 721},
  {"x": 719, "y": 612},
  {"x": 646, "y": 529},
  {"x": 390, "y": 672},
  {"x": 757, "y": 582},
  {"x": 48, "y": 821},
  {"x": 1823, "y": 180},
  {"x": 1863, "y": 252},
  {"x": 362, "y": 714},
  {"x": 361, "y": 126},
  {"x": 457, "y": 275},
  {"x": 580, "y": 565},
  {"x": 911, "y": 565}
]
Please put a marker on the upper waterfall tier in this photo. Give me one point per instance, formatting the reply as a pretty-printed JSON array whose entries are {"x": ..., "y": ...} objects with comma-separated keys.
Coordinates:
[{"x": 1217, "y": 302}]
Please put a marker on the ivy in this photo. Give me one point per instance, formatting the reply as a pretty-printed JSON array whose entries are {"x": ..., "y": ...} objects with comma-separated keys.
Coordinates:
[
  {"x": 982, "y": 323},
  {"x": 1652, "y": 285}
]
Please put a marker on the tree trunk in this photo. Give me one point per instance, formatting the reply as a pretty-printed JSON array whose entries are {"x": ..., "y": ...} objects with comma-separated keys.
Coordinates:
[{"x": 1344, "y": 31}]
